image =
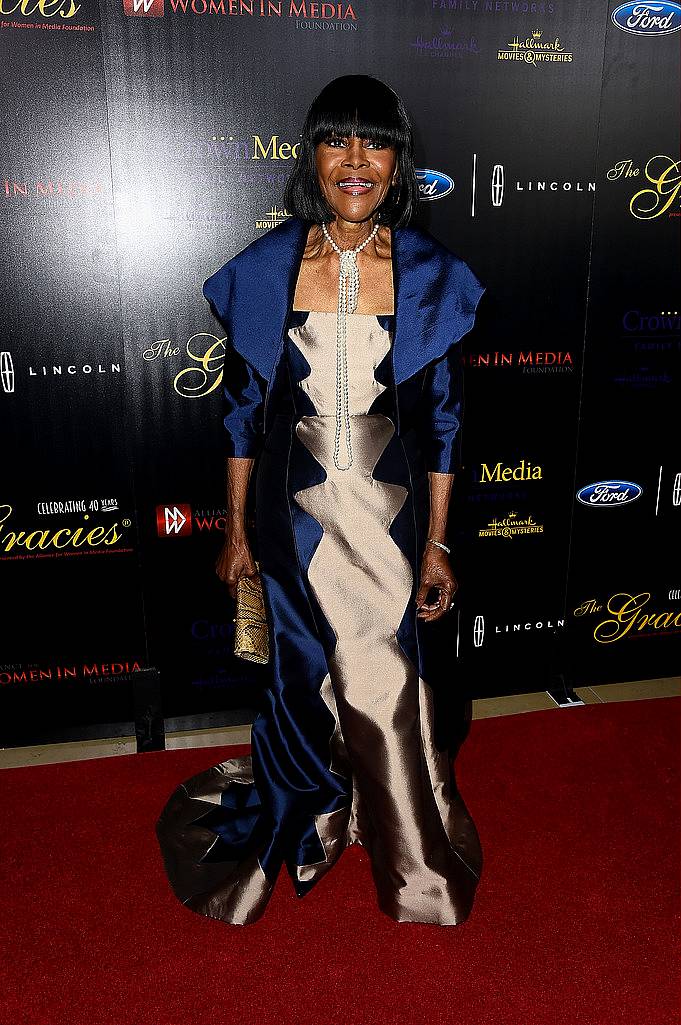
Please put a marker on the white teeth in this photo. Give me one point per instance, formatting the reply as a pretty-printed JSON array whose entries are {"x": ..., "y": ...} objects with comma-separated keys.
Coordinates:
[{"x": 355, "y": 185}]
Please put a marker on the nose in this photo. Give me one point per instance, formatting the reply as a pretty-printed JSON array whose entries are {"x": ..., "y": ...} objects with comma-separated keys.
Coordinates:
[{"x": 356, "y": 154}]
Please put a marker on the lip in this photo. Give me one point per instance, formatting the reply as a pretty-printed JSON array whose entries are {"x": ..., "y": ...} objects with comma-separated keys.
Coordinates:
[{"x": 355, "y": 186}]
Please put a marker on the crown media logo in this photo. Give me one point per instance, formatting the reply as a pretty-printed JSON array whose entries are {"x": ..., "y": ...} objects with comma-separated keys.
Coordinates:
[
  {"x": 533, "y": 51},
  {"x": 525, "y": 470}
]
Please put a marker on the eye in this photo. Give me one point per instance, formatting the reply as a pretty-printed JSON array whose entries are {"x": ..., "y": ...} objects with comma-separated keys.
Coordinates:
[
  {"x": 335, "y": 141},
  {"x": 373, "y": 144}
]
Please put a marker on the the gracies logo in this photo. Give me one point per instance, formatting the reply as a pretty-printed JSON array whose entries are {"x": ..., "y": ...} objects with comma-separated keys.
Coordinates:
[
  {"x": 45, "y": 8},
  {"x": 143, "y": 8},
  {"x": 625, "y": 615},
  {"x": 205, "y": 375},
  {"x": 664, "y": 175},
  {"x": 39, "y": 543}
]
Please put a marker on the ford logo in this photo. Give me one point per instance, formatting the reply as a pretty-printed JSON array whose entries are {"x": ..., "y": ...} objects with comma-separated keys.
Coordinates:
[
  {"x": 654, "y": 19},
  {"x": 608, "y": 493},
  {"x": 433, "y": 184}
]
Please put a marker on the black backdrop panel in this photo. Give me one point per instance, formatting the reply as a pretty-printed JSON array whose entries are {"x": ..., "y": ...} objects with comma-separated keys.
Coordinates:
[
  {"x": 625, "y": 572},
  {"x": 168, "y": 132},
  {"x": 73, "y": 630}
]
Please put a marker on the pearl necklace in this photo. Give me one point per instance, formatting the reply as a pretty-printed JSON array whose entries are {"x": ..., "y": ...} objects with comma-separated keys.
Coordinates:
[{"x": 348, "y": 293}]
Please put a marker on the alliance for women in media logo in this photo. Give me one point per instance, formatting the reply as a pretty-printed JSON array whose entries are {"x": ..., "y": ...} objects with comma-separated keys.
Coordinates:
[{"x": 331, "y": 13}]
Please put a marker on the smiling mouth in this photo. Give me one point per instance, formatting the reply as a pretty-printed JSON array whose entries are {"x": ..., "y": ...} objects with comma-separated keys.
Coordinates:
[{"x": 357, "y": 186}]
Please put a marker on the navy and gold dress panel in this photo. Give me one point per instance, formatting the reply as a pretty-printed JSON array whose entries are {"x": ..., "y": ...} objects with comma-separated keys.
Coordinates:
[{"x": 357, "y": 737}]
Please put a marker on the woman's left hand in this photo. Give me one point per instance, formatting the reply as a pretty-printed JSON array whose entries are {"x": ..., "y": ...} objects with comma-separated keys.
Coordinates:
[{"x": 435, "y": 572}]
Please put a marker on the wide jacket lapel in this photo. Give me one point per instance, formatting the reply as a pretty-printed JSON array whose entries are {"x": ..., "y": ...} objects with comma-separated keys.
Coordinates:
[
  {"x": 436, "y": 295},
  {"x": 253, "y": 293}
]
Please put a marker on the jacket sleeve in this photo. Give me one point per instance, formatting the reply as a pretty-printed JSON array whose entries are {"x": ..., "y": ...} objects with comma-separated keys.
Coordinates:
[
  {"x": 442, "y": 397},
  {"x": 442, "y": 405},
  {"x": 243, "y": 388},
  {"x": 243, "y": 405}
]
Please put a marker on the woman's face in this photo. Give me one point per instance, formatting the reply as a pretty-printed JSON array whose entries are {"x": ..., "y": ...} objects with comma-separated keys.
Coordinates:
[{"x": 354, "y": 175}]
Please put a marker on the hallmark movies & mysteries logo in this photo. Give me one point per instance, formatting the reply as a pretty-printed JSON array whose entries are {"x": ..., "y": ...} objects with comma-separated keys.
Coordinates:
[{"x": 535, "y": 51}]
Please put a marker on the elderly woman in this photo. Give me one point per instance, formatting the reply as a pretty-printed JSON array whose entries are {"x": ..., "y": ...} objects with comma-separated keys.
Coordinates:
[{"x": 342, "y": 376}]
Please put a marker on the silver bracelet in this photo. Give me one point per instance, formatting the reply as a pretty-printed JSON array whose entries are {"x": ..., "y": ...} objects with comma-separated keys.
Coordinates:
[{"x": 439, "y": 544}]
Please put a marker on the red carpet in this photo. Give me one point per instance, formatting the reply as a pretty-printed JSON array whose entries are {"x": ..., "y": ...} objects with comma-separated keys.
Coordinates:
[{"x": 575, "y": 922}]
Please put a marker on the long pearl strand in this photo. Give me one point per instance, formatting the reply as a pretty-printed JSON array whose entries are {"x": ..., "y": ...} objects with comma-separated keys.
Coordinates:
[{"x": 348, "y": 293}]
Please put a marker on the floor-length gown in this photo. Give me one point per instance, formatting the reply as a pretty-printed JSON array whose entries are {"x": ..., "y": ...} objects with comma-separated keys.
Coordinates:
[{"x": 347, "y": 748}]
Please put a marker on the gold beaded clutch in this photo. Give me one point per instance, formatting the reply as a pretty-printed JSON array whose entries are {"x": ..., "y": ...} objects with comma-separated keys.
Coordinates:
[{"x": 251, "y": 639}]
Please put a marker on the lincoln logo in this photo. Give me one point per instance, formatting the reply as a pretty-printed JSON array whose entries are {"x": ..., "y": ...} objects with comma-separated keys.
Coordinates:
[
  {"x": 607, "y": 493},
  {"x": 498, "y": 185},
  {"x": 676, "y": 490},
  {"x": 7, "y": 372},
  {"x": 478, "y": 631}
]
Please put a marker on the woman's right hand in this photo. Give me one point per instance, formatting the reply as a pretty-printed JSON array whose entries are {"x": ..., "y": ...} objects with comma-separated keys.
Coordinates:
[{"x": 235, "y": 560}]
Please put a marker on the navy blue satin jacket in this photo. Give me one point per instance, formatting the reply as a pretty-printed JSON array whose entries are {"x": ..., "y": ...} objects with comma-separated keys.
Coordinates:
[{"x": 436, "y": 296}]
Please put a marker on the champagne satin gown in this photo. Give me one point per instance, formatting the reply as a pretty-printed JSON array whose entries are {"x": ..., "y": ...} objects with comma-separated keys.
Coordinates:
[{"x": 352, "y": 745}]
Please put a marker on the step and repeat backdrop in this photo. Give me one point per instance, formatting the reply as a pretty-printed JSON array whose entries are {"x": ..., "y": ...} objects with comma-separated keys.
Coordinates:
[{"x": 145, "y": 142}]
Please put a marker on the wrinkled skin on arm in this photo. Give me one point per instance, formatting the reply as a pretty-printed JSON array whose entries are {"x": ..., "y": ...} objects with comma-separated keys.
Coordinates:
[
  {"x": 436, "y": 570},
  {"x": 235, "y": 558}
]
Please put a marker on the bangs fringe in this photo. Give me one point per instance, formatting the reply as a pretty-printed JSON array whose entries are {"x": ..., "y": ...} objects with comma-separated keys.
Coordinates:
[{"x": 365, "y": 123}]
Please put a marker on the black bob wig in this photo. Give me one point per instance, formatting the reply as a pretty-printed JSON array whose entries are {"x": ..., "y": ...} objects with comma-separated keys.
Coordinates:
[{"x": 363, "y": 106}]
